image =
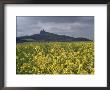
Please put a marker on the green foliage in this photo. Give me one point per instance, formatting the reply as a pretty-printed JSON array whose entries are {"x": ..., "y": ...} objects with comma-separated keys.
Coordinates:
[{"x": 55, "y": 58}]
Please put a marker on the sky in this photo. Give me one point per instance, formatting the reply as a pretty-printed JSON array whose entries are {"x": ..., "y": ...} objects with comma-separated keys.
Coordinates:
[{"x": 74, "y": 26}]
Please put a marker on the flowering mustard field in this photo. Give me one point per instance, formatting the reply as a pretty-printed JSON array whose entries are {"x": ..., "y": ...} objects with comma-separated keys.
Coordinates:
[{"x": 55, "y": 58}]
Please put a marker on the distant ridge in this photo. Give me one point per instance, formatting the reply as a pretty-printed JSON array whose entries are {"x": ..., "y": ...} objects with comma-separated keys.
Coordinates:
[{"x": 44, "y": 36}]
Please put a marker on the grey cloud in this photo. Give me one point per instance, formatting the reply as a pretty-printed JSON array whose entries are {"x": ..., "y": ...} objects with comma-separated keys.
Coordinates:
[{"x": 76, "y": 26}]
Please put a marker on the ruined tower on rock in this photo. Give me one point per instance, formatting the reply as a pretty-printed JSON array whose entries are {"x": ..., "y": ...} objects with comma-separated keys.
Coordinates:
[{"x": 42, "y": 31}]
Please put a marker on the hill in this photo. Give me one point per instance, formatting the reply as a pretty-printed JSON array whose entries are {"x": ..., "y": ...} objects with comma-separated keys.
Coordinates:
[{"x": 47, "y": 36}]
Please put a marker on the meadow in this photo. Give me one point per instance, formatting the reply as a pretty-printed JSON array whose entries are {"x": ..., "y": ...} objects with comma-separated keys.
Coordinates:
[{"x": 55, "y": 58}]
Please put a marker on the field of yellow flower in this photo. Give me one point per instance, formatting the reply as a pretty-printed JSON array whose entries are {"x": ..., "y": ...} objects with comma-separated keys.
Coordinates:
[{"x": 55, "y": 58}]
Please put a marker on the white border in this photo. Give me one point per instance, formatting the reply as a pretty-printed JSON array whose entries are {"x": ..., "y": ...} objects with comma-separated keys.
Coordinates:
[{"x": 97, "y": 80}]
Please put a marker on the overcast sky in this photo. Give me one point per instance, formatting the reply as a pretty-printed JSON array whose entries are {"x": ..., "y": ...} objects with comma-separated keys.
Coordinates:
[{"x": 75, "y": 26}]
